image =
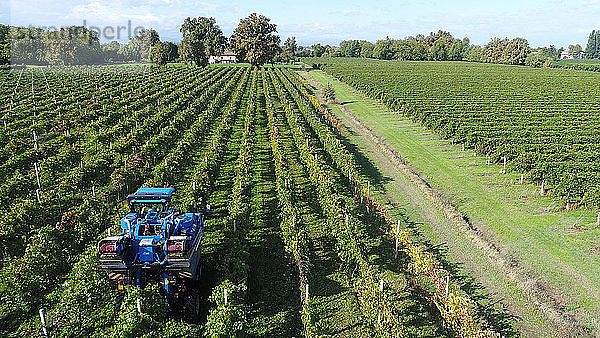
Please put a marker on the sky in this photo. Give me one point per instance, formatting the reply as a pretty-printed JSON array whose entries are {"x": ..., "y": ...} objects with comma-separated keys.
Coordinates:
[{"x": 541, "y": 22}]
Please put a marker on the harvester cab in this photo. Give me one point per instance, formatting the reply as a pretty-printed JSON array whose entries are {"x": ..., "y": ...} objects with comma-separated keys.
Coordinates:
[{"x": 158, "y": 243}]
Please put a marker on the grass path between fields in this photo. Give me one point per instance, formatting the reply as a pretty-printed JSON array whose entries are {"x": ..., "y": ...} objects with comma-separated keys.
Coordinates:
[{"x": 549, "y": 272}]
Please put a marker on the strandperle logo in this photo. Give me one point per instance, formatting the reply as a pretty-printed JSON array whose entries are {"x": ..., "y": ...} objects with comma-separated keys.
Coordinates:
[{"x": 108, "y": 32}]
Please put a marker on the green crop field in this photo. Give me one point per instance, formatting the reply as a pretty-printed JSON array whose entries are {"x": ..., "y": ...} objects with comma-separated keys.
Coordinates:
[
  {"x": 544, "y": 123},
  {"x": 312, "y": 251},
  {"x": 554, "y": 244},
  {"x": 307, "y": 235},
  {"x": 563, "y": 62}
]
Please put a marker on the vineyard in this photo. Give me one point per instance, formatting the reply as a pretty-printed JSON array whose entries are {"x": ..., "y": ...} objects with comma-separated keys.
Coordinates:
[
  {"x": 542, "y": 124},
  {"x": 295, "y": 245}
]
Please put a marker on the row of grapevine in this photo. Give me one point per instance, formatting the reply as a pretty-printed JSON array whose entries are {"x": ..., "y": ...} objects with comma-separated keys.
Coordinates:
[
  {"x": 209, "y": 133},
  {"x": 228, "y": 317},
  {"x": 74, "y": 286},
  {"x": 453, "y": 306},
  {"x": 375, "y": 301},
  {"x": 293, "y": 232},
  {"x": 542, "y": 121},
  {"x": 55, "y": 246}
]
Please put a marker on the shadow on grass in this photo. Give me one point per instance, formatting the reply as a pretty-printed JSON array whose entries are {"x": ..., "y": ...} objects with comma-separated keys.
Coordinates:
[
  {"x": 383, "y": 251},
  {"x": 273, "y": 293}
]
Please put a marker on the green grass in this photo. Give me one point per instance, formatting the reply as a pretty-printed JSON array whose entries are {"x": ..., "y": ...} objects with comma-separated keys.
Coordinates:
[
  {"x": 292, "y": 66},
  {"x": 578, "y": 61},
  {"x": 555, "y": 246}
]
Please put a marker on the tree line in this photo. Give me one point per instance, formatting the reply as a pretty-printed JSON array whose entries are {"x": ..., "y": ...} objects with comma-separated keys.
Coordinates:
[
  {"x": 73, "y": 45},
  {"x": 254, "y": 40},
  {"x": 202, "y": 37},
  {"x": 438, "y": 46},
  {"x": 442, "y": 46}
]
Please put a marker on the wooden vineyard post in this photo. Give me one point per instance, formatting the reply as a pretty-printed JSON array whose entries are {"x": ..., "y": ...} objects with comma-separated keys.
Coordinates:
[
  {"x": 488, "y": 160},
  {"x": 43, "y": 320},
  {"x": 521, "y": 181},
  {"x": 37, "y": 175},
  {"x": 306, "y": 294},
  {"x": 225, "y": 296},
  {"x": 447, "y": 285},
  {"x": 542, "y": 190},
  {"x": 504, "y": 165},
  {"x": 397, "y": 234},
  {"x": 139, "y": 305},
  {"x": 381, "y": 291},
  {"x": 598, "y": 219},
  {"x": 234, "y": 226},
  {"x": 35, "y": 144}
]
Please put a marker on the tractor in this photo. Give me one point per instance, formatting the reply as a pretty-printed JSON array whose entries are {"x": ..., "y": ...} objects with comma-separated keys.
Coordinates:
[{"x": 157, "y": 244}]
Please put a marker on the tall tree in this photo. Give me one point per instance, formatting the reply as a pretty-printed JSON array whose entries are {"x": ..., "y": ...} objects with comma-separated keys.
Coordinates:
[
  {"x": 74, "y": 45},
  {"x": 4, "y": 44},
  {"x": 111, "y": 51},
  {"x": 409, "y": 49},
  {"x": 290, "y": 47},
  {"x": 329, "y": 50},
  {"x": 366, "y": 49},
  {"x": 159, "y": 53},
  {"x": 143, "y": 41},
  {"x": 383, "y": 49},
  {"x": 128, "y": 52},
  {"x": 202, "y": 37},
  {"x": 349, "y": 48},
  {"x": 575, "y": 50},
  {"x": 439, "y": 50},
  {"x": 458, "y": 49},
  {"x": 493, "y": 50},
  {"x": 254, "y": 40},
  {"x": 550, "y": 51},
  {"x": 173, "y": 51},
  {"x": 318, "y": 50},
  {"x": 474, "y": 54},
  {"x": 591, "y": 51},
  {"x": 516, "y": 52}
]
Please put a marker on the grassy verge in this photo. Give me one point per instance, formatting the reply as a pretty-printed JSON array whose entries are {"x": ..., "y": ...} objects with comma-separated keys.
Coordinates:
[{"x": 556, "y": 246}]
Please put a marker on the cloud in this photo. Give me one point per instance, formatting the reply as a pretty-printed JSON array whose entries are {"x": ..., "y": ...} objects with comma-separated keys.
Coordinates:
[
  {"x": 109, "y": 15},
  {"x": 543, "y": 22},
  {"x": 353, "y": 12}
]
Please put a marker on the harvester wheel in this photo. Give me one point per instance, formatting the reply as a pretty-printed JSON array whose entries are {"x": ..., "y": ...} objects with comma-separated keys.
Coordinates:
[
  {"x": 119, "y": 297},
  {"x": 192, "y": 299}
]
